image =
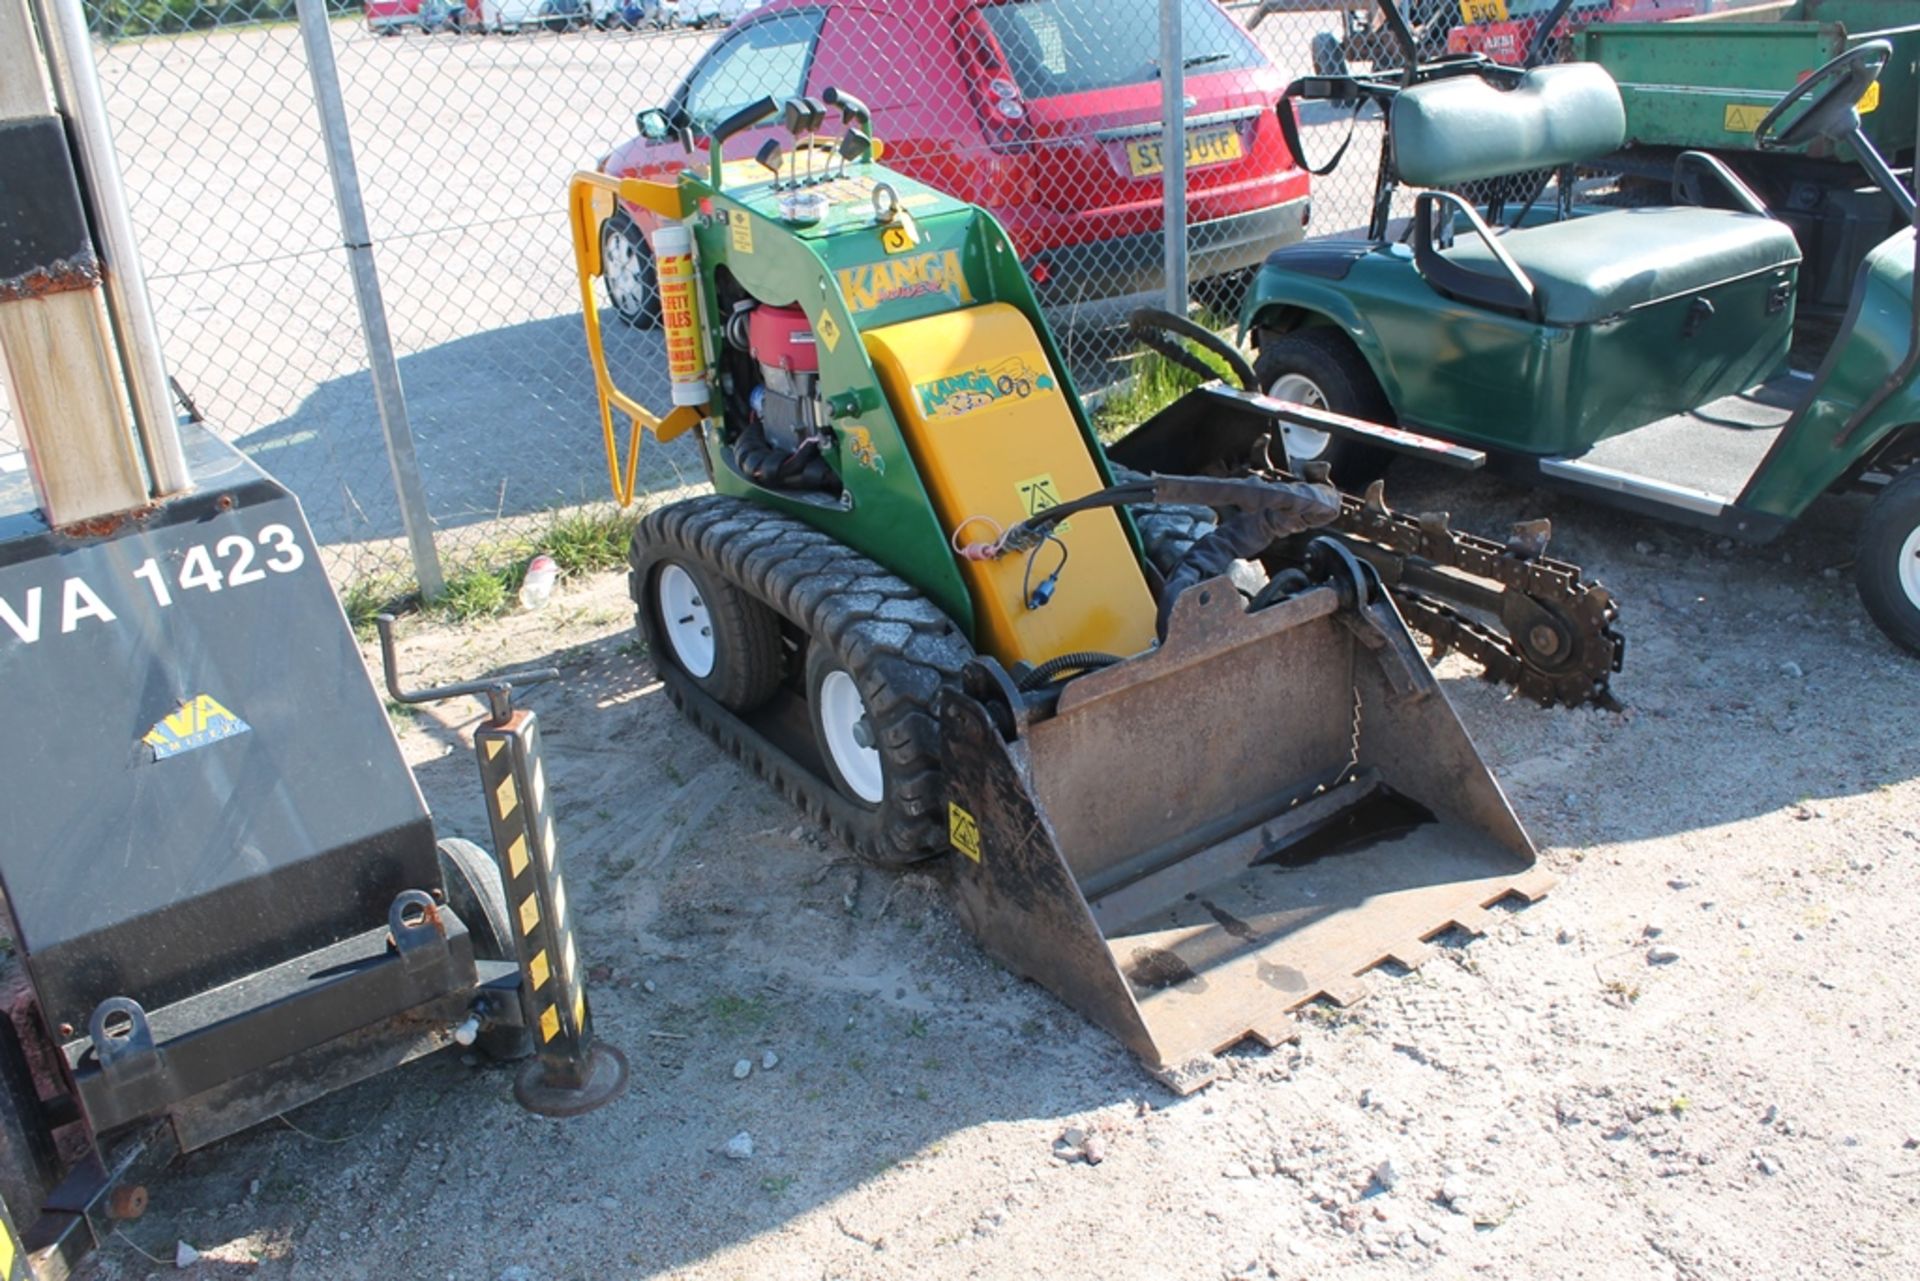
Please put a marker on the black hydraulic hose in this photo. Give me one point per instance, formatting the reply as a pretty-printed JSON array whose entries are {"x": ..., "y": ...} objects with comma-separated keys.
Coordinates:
[
  {"x": 1083, "y": 661},
  {"x": 1543, "y": 34},
  {"x": 1151, "y": 325}
]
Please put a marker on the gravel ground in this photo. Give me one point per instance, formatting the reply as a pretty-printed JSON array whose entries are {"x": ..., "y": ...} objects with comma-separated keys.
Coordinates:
[{"x": 1692, "y": 1059}]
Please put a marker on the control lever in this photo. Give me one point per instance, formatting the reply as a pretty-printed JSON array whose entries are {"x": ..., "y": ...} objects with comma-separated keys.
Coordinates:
[
  {"x": 769, "y": 157},
  {"x": 852, "y": 110},
  {"x": 856, "y": 145}
]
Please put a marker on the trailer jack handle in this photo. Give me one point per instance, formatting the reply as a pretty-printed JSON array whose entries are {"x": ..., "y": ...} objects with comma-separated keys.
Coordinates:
[{"x": 496, "y": 691}]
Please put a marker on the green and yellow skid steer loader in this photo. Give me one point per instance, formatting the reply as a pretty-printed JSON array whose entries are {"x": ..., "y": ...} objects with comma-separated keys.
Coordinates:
[{"x": 1184, "y": 763}]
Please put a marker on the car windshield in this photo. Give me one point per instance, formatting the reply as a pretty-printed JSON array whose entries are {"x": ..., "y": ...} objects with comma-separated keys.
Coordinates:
[
  {"x": 767, "y": 57},
  {"x": 1075, "y": 46}
]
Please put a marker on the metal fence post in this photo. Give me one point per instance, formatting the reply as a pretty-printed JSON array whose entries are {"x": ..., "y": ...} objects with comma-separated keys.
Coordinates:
[
  {"x": 1173, "y": 152},
  {"x": 389, "y": 398}
]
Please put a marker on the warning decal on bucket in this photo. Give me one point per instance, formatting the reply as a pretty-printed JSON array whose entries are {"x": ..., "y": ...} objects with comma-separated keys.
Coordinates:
[{"x": 963, "y": 831}]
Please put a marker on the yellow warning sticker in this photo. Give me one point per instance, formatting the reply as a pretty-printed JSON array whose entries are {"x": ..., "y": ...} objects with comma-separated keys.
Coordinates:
[
  {"x": 963, "y": 832},
  {"x": 493, "y": 747},
  {"x": 1037, "y": 493},
  {"x": 517, "y": 855},
  {"x": 505, "y": 797},
  {"x": 550, "y": 1023},
  {"x": 529, "y": 914},
  {"x": 1743, "y": 118},
  {"x": 740, "y": 231},
  {"x": 579, "y": 1008},
  {"x": 1868, "y": 100},
  {"x": 829, "y": 331},
  {"x": 900, "y": 236},
  {"x": 6, "y": 1252},
  {"x": 539, "y": 970}
]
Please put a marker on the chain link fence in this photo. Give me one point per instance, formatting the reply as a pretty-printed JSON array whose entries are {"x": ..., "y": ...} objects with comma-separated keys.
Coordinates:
[{"x": 467, "y": 116}]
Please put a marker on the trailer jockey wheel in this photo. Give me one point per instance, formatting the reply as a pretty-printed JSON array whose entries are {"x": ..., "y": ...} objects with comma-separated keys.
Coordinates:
[
  {"x": 714, "y": 632},
  {"x": 477, "y": 897}
]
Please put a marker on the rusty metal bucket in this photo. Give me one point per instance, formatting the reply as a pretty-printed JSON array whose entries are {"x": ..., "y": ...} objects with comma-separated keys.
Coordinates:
[{"x": 1196, "y": 841}]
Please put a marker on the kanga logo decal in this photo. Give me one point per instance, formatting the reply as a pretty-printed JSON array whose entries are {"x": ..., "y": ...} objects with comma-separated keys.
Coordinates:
[
  {"x": 976, "y": 388},
  {"x": 197, "y": 722}
]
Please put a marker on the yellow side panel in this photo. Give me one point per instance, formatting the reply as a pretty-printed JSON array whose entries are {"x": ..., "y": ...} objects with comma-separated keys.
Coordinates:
[{"x": 992, "y": 435}]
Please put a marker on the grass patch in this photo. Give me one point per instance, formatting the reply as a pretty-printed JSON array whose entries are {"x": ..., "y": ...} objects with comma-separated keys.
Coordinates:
[
  {"x": 739, "y": 1012},
  {"x": 376, "y": 594},
  {"x": 591, "y": 540},
  {"x": 1155, "y": 383},
  {"x": 479, "y": 593}
]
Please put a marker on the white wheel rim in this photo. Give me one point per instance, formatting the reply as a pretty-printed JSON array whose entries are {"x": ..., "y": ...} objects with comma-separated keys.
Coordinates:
[
  {"x": 844, "y": 724},
  {"x": 688, "y": 625},
  {"x": 1303, "y": 444},
  {"x": 1910, "y": 568},
  {"x": 620, "y": 264}
]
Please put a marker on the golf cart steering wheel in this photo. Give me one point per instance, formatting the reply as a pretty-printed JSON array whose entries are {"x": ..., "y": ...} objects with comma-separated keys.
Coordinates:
[{"x": 1832, "y": 115}]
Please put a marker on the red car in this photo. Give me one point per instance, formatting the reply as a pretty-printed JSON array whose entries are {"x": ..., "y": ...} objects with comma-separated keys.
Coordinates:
[{"x": 1045, "y": 112}]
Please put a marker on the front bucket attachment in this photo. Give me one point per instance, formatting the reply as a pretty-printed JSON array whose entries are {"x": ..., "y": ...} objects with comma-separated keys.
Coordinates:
[{"x": 1195, "y": 841}]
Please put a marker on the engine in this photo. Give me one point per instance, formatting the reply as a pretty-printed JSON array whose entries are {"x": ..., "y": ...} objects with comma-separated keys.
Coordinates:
[{"x": 787, "y": 430}]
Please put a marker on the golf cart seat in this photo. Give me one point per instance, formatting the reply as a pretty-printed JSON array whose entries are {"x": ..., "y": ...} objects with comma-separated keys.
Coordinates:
[
  {"x": 1576, "y": 270},
  {"x": 1587, "y": 269}
]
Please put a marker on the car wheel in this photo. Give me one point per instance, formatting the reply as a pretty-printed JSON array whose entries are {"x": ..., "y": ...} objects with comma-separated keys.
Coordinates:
[
  {"x": 1320, "y": 369},
  {"x": 1886, "y": 567},
  {"x": 626, "y": 264}
]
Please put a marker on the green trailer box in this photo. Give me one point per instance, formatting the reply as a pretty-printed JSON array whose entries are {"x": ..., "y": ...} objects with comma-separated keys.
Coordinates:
[{"x": 1706, "y": 81}]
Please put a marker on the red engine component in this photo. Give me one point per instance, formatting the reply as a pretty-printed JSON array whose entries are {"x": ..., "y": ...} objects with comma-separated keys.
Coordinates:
[{"x": 781, "y": 338}]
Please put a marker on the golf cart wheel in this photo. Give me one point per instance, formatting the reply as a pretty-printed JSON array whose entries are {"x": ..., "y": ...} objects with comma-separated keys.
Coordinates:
[
  {"x": 626, "y": 265},
  {"x": 1887, "y": 564},
  {"x": 728, "y": 642},
  {"x": 1321, "y": 369},
  {"x": 478, "y": 897}
]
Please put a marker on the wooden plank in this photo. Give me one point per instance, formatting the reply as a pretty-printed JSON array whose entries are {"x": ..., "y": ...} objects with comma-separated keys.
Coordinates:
[
  {"x": 65, "y": 381},
  {"x": 62, "y": 367}
]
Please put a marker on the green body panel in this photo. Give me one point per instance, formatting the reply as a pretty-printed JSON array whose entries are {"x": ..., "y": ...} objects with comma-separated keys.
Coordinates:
[
  {"x": 1705, "y": 84},
  {"x": 1809, "y": 458},
  {"x": 843, "y": 276},
  {"x": 1480, "y": 376}
]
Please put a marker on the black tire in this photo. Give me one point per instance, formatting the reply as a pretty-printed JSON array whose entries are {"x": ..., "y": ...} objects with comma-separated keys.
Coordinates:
[
  {"x": 635, "y": 295},
  {"x": 1887, "y": 564},
  {"x": 478, "y": 897},
  {"x": 1333, "y": 368},
  {"x": 897, "y": 646},
  {"x": 747, "y": 664},
  {"x": 1167, "y": 532}
]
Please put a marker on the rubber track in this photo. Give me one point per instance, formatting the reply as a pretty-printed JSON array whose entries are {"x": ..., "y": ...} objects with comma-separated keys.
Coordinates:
[{"x": 889, "y": 635}]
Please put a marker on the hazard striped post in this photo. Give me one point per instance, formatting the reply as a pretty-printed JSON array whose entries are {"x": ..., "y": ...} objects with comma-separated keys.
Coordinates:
[{"x": 569, "y": 1073}]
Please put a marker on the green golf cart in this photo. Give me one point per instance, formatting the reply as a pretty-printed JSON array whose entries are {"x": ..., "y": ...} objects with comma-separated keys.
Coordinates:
[{"x": 1637, "y": 355}]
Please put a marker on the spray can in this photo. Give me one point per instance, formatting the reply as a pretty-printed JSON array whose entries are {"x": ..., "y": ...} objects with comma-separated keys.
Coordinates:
[{"x": 680, "y": 313}]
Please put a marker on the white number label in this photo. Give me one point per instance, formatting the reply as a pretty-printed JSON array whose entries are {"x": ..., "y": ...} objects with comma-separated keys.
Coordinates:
[
  {"x": 28, "y": 615},
  {"x": 238, "y": 550},
  {"x": 197, "y": 570}
]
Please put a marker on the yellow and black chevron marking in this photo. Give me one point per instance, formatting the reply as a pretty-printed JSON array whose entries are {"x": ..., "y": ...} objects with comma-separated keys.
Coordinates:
[{"x": 515, "y": 784}]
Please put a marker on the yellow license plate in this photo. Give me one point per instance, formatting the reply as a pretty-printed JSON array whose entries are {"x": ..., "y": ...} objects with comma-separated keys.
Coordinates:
[
  {"x": 1204, "y": 147},
  {"x": 1483, "y": 10}
]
